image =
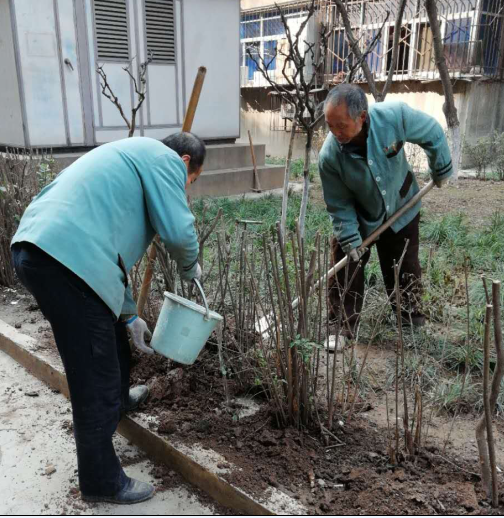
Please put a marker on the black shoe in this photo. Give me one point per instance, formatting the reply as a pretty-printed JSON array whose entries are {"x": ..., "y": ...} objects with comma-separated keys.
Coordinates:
[
  {"x": 133, "y": 492},
  {"x": 137, "y": 396}
]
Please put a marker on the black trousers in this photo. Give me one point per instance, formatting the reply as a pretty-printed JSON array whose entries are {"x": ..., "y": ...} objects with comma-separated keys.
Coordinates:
[
  {"x": 390, "y": 247},
  {"x": 96, "y": 356}
]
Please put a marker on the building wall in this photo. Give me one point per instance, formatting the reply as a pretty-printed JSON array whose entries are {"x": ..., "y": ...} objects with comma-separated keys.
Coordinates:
[
  {"x": 251, "y": 4},
  {"x": 11, "y": 120},
  {"x": 61, "y": 92},
  {"x": 480, "y": 110},
  {"x": 212, "y": 39}
]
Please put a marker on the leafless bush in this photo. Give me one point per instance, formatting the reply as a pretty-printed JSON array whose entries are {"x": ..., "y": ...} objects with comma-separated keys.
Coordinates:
[{"x": 23, "y": 173}]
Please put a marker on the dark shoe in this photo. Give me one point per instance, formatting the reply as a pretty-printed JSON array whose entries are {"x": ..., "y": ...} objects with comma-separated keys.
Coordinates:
[
  {"x": 133, "y": 492},
  {"x": 137, "y": 396}
]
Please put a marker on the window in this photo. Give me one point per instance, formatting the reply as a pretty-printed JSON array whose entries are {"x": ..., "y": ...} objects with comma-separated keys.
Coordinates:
[
  {"x": 425, "y": 50},
  {"x": 250, "y": 63},
  {"x": 341, "y": 52},
  {"x": 374, "y": 58},
  {"x": 160, "y": 30},
  {"x": 273, "y": 27},
  {"x": 111, "y": 26},
  {"x": 270, "y": 53},
  {"x": 456, "y": 43},
  {"x": 402, "y": 64},
  {"x": 250, "y": 30}
]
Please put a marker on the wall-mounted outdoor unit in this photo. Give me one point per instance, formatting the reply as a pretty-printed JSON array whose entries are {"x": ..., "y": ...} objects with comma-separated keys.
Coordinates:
[{"x": 50, "y": 50}]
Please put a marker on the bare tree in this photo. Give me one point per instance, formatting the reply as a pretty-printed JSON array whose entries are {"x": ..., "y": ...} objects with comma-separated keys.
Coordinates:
[
  {"x": 139, "y": 86},
  {"x": 449, "y": 108},
  {"x": 361, "y": 56},
  {"x": 298, "y": 86}
]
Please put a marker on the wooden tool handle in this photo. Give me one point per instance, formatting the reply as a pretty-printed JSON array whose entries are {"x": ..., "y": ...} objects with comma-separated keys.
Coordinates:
[
  {"x": 186, "y": 127},
  {"x": 372, "y": 237}
]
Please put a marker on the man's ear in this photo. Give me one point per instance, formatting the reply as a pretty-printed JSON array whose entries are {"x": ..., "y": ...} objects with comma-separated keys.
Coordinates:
[
  {"x": 363, "y": 116},
  {"x": 186, "y": 159}
]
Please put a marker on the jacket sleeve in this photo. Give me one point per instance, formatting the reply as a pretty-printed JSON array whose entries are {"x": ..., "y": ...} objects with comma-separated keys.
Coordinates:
[
  {"x": 129, "y": 307},
  {"x": 165, "y": 197},
  {"x": 341, "y": 207},
  {"x": 424, "y": 130}
]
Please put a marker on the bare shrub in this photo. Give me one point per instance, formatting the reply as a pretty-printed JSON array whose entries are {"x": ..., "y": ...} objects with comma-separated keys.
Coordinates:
[{"x": 23, "y": 173}]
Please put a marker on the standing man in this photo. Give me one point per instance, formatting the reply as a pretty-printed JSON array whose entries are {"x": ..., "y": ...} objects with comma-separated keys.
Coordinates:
[
  {"x": 73, "y": 250},
  {"x": 366, "y": 178}
]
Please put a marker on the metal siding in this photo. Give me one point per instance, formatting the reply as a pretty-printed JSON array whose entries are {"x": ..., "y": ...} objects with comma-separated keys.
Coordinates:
[
  {"x": 119, "y": 81},
  {"x": 218, "y": 113},
  {"x": 72, "y": 77},
  {"x": 11, "y": 115},
  {"x": 41, "y": 72},
  {"x": 162, "y": 93}
]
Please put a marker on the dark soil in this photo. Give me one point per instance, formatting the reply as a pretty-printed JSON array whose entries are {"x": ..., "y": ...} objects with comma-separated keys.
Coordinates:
[{"x": 350, "y": 475}]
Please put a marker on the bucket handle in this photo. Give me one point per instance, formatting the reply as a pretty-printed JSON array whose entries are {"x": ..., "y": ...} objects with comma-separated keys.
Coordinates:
[{"x": 200, "y": 288}]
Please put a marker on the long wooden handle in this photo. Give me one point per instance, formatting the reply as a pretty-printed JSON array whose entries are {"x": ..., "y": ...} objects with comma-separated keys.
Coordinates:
[
  {"x": 254, "y": 164},
  {"x": 186, "y": 126},
  {"x": 372, "y": 237}
]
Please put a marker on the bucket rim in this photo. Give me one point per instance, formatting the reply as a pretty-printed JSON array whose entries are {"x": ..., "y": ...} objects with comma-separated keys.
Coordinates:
[{"x": 192, "y": 305}]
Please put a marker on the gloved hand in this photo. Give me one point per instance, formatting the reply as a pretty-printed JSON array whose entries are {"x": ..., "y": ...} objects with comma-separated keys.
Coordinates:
[
  {"x": 440, "y": 183},
  {"x": 138, "y": 331},
  {"x": 198, "y": 273},
  {"x": 355, "y": 254}
]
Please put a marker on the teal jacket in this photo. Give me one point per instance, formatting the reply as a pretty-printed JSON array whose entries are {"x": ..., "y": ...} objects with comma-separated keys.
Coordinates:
[
  {"x": 100, "y": 214},
  {"x": 361, "y": 193}
]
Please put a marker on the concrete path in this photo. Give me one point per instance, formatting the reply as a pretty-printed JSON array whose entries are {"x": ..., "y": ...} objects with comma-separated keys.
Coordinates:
[{"x": 38, "y": 464}]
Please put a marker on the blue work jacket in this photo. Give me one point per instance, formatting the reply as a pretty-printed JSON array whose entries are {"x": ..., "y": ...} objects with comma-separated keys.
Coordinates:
[
  {"x": 100, "y": 214},
  {"x": 362, "y": 192}
]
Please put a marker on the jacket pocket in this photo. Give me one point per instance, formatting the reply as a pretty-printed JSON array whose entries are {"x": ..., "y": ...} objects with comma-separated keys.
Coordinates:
[
  {"x": 406, "y": 184},
  {"x": 393, "y": 150}
]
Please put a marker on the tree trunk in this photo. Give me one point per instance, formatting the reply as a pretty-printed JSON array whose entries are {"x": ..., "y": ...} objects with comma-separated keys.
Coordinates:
[
  {"x": 354, "y": 45},
  {"x": 306, "y": 185},
  {"x": 285, "y": 195},
  {"x": 395, "y": 51},
  {"x": 449, "y": 108}
]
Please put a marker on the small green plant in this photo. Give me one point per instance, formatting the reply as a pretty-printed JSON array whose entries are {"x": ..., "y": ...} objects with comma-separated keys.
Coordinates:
[
  {"x": 480, "y": 154},
  {"x": 305, "y": 349},
  {"x": 499, "y": 155}
]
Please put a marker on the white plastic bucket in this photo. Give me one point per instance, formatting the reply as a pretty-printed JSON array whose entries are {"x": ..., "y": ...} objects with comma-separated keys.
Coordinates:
[{"x": 183, "y": 327}]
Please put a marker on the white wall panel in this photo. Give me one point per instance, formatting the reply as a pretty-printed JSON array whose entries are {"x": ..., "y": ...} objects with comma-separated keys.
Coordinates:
[
  {"x": 72, "y": 76},
  {"x": 119, "y": 82},
  {"x": 211, "y": 38},
  {"x": 11, "y": 119},
  {"x": 104, "y": 136},
  {"x": 40, "y": 70},
  {"x": 160, "y": 133},
  {"x": 163, "y": 94}
]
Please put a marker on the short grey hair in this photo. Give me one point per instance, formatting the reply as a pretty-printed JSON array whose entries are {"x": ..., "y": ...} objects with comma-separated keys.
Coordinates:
[{"x": 351, "y": 95}]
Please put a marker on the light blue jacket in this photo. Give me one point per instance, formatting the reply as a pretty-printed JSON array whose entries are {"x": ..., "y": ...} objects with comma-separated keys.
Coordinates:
[
  {"x": 109, "y": 204},
  {"x": 361, "y": 194}
]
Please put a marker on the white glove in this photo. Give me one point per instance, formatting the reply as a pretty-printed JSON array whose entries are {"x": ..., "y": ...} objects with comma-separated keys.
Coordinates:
[
  {"x": 355, "y": 254},
  {"x": 197, "y": 275},
  {"x": 440, "y": 183},
  {"x": 138, "y": 331}
]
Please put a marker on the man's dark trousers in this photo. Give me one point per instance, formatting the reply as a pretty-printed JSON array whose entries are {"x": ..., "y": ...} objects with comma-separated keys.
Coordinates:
[
  {"x": 96, "y": 356},
  {"x": 390, "y": 247}
]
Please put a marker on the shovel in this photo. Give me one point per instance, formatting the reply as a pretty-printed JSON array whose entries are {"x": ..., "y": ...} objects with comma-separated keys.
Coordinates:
[{"x": 262, "y": 325}]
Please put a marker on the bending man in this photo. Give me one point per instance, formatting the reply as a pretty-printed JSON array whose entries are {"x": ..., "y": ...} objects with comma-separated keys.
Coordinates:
[
  {"x": 366, "y": 178},
  {"x": 74, "y": 248}
]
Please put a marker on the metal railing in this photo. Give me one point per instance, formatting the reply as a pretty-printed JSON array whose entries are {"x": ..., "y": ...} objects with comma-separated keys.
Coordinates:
[{"x": 472, "y": 33}]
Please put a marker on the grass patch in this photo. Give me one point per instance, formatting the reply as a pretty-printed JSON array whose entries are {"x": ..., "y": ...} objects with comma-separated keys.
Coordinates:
[
  {"x": 267, "y": 210},
  {"x": 297, "y": 166}
]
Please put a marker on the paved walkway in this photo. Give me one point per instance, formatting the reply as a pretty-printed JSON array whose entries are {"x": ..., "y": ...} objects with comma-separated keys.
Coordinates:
[{"x": 38, "y": 462}]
